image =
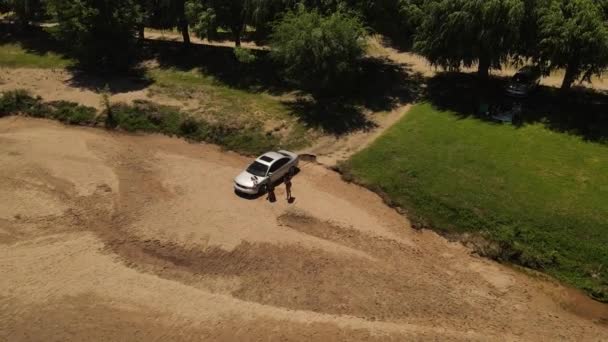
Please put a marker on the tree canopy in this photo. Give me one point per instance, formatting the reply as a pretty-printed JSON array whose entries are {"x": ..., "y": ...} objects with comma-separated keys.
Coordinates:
[
  {"x": 452, "y": 34},
  {"x": 101, "y": 33},
  {"x": 457, "y": 33},
  {"x": 318, "y": 52},
  {"x": 573, "y": 35}
]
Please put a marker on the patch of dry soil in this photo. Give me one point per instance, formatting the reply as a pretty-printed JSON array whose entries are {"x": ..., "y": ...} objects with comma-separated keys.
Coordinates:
[
  {"x": 106, "y": 236},
  {"x": 60, "y": 84}
]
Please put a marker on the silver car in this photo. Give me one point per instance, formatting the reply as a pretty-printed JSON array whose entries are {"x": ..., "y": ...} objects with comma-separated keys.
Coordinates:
[{"x": 267, "y": 169}]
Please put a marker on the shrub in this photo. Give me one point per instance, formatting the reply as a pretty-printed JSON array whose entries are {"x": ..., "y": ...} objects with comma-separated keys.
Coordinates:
[
  {"x": 73, "y": 113},
  {"x": 20, "y": 102},
  {"x": 319, "y": 53},
  {"x": 131, "y": 119},
  {"x": 244, "y": 56},
  {"x": 142, "y": 116}
]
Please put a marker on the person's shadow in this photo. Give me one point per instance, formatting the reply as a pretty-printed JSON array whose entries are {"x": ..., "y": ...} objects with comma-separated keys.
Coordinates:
[{"x": 291, "y": 200}]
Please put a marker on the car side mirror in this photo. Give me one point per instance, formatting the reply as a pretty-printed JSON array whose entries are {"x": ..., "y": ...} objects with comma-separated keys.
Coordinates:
[{"x": 269, "y": 174}]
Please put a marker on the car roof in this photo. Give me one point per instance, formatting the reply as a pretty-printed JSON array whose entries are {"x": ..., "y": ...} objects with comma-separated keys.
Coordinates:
[
  {"x": 269, "y": 157},
  {"x": 529, "y": 70}
]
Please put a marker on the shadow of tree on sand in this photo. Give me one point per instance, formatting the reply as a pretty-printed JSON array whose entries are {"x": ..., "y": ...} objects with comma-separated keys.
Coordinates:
[
  {"x": 39, "y": 41},
  {"x": 219, "y": 62}
]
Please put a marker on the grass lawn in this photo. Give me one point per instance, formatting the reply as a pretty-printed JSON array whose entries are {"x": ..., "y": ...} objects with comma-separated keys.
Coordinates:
[
  {"x": 15, "y": 56},
  {"x": 219, "y": 102},
  {"x": 541, "y": 197}
]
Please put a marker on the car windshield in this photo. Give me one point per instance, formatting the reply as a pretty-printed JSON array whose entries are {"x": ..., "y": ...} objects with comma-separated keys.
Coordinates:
[{"x": 257, "y": 169}]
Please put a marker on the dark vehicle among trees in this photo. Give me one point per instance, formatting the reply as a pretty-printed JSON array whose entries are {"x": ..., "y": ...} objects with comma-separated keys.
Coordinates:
[{"x": 524, "y": 82}]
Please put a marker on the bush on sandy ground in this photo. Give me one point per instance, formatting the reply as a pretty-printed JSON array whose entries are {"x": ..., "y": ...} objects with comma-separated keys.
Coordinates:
[
  {"x": 141, "y": 116},
  {"x": 146, "y": 116}
]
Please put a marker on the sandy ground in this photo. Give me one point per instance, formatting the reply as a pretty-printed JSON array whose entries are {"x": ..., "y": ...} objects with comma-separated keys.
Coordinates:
[
  {"x": 105, "y": 236},
  {"x": 177, "y": 37},
  {"x": 59, "y": 84}
]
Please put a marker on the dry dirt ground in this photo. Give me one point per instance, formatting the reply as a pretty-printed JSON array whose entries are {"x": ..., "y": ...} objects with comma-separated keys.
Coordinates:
[
  {"x": 59, "y": 84},
  {"x": 106, "y": 236}
]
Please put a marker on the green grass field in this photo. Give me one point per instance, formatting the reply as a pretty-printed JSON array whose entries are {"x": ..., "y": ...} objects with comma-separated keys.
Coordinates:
[
  {"x": 219, "y": 102},
  {"x": 15, "y": 56},
  {"x": 541, "y": 197}
]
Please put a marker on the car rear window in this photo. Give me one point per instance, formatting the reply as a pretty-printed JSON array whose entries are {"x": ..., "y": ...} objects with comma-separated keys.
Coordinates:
[{"x": 266, "y": 159}]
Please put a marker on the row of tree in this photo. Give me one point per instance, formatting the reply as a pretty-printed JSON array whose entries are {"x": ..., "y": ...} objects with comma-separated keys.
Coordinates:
[{"x": 554, "y": 34}]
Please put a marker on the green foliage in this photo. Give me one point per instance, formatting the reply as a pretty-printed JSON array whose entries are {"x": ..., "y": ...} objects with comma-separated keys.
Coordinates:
[
  {"x": 72, "y": 113},
  {"x": 146, "y": 116},
  {"x": 539, "y": 196},
  {"x": 244, "y": 56},
  {"x": 456, "y": 33},
  {"x": 20, "y": 102},
  {"x": 573, "y": 35},
  {"x": 319, "y": 53},
  {"x": 231, "y": 14},
  {"x": 101, "y": 33},
  {"x": 203, "y": 20},
  {"x": 143, "y": 116}
]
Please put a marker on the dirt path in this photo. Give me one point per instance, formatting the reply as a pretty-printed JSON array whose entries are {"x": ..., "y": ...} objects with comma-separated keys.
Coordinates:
[
  {"x": 59, "y": 84},
  {"x": 177, "y": 37},
  {"x": 112, "y": 237},
  {"x": 329, "y": 150}
]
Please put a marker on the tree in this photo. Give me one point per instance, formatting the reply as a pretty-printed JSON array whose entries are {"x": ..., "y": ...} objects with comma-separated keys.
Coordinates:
[
  {"x": 234, "y": 15},
  {"x": 165, "y": 14},
  {"x": 456, "y": 33},
  {"x": 573, "y": 36},
  {"x": 319, "y": 53},
  {"x": 202, "y": 19},
  {"x": 182, "y": 21},
  {"x": 101, "y": 33}
]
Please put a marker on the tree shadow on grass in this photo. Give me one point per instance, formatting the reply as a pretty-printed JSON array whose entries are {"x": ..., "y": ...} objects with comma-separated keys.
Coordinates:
[
  {"x": 582, "y": 112},
  {"x": 382, "y": 86},
  {"x": 34, "y": 39},
  {"x": 332, "y": 116},
  {"x": 134, "y": 80},
  {"x": 39, "y": 41},
  {"x": 219, "y": 62}
]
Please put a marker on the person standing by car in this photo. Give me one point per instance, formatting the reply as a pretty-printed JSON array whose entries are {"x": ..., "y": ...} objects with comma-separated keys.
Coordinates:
[
  {"x": 271, "y": 195},
  {"x": 288, "y": 186}
]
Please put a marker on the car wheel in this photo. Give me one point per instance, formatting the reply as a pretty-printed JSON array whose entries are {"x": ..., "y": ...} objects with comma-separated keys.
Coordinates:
[{"x": 263, "y": 189}]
